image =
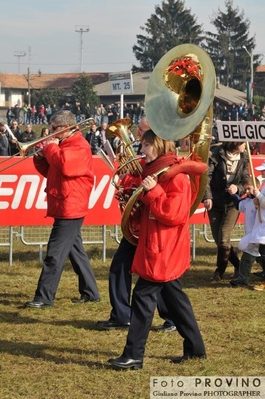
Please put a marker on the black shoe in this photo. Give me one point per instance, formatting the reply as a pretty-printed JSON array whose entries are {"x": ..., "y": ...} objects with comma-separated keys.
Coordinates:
[
  {"x": 238, "y": 283},
  {"x": 112, "y": 325},
  {"x": 235, "y": 274},
  {"x": 259, "y": 274},
  {"x": 36, "y": 304},
  {"x": 164, "y": 327},
  {"x": 84, "y": 298},
  {"x": 124, "y": 363},
  {"x": 216, "y": 276},
  {"x": 184, "y": 358}
]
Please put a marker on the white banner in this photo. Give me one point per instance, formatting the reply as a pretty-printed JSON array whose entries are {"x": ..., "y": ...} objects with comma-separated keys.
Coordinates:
[{"x": 241, "y": 131}]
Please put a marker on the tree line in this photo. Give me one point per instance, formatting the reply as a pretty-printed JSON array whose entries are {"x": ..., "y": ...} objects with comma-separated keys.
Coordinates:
[{"x": 172, "y": 24}]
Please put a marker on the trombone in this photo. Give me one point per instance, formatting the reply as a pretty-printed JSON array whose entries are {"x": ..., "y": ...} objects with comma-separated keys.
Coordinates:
[{"x": 23, "y": 148}]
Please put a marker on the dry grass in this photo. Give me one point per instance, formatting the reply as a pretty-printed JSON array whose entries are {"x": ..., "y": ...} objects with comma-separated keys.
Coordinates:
[{"x": 58, "y": 353}]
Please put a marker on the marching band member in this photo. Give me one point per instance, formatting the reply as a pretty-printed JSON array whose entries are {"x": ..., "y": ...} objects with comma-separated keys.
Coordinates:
[
  {"x": 120, "y": 278},
  {"x": 163, "y": 252},
  {"x": 66, "y": 162}
]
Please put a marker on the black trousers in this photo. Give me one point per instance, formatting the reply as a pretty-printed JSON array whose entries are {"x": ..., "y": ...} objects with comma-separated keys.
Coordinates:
[
  {"x": 144, "y": 302},
  {"x": 222, "y": 222},
  {"x": 65, "y": 241},
  {"x": 120, "y": 285}
]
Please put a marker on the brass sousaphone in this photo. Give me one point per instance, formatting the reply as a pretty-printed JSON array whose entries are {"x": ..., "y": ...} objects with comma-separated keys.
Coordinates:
[{"x": 178, "y": 105}]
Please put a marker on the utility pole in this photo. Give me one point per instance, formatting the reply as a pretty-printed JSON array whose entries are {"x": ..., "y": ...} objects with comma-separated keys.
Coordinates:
[
  {"x": 29, "y": 87},
  {"x": 81, "y": 29},
  {"x": 251, "y": 74},
  {"x": 28, "y": 78},
  {"x": 19, "y": 54}
]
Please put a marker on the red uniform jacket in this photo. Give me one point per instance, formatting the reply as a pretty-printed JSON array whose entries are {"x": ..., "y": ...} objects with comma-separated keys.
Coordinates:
[
  {"x": 163, "y": 250},
  {"x": 69, "y": 172}
]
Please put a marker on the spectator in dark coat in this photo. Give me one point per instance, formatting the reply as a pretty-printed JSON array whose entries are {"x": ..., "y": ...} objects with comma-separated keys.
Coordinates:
[
  {"x": 18, "y": 134},
  {"x": 95, "y": 139}
]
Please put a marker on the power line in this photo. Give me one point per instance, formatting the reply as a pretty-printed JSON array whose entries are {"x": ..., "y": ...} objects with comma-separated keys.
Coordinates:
[{"x": 86, "y": 63}]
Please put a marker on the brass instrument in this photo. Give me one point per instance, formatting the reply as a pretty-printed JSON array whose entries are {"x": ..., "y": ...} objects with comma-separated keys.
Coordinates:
[
  {"x": 178, "y": 105},
  {"x": 23, "y": 148},
  {"x": 128, "y": 161},
  {"x": 132, "y": 205},
  {"x": 125, "y": 154}
]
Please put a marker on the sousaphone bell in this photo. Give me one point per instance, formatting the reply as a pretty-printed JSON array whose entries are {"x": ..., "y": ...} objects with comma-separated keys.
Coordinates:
[{"x": 178, "y": 104}]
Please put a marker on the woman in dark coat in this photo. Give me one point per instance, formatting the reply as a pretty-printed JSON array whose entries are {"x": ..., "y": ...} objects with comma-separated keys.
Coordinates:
[{"x": 227, "y": 172}]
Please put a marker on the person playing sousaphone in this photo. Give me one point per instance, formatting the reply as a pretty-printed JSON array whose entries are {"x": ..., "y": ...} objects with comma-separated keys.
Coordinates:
[{"x": 166, "y": 201}]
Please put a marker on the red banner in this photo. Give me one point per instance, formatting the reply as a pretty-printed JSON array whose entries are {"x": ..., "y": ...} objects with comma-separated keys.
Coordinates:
[{"x": 23, "y": 200}]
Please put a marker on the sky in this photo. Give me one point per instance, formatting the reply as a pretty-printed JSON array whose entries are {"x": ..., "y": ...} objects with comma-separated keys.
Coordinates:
[{"x": 45, "y": 35}]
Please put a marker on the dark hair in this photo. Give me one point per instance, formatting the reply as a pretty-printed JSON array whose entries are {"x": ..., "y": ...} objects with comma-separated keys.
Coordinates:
[
  {"x": 161, "y": 146},
  {"x": 43, "y": 130},
  {"x": 250, "y": 180},
  {"x": 231, "y": 145}
]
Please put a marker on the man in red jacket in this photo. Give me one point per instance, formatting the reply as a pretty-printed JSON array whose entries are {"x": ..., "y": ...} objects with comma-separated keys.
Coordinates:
[{"x": 66, "y": 162}]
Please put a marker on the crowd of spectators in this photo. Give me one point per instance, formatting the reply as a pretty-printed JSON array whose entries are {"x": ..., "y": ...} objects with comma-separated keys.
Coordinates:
[
  {"x": 32, "y": 114},
  {"x": 108, "y": 114},
  {"x": 238, "y": 112}
]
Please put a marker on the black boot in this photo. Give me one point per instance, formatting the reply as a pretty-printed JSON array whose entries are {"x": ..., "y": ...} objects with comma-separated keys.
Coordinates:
[
  {"x": 222, "y": 261},
  {"x": 216, "y": 276},
  {"x": 234, "y": 259},
  {"x": 262, "y": 263}
]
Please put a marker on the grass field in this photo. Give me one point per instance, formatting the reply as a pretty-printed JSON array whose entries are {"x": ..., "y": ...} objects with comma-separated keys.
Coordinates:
[{"x": 58, "y": 352}]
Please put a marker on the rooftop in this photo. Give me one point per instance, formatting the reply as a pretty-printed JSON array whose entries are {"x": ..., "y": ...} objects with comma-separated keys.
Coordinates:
[
  {"x": 140, "y": 81},
  {"x": 47, "y": 81}
]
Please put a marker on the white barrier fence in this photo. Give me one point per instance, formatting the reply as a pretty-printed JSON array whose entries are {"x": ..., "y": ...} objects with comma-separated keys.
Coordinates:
[{"x": 92, "y": 235}]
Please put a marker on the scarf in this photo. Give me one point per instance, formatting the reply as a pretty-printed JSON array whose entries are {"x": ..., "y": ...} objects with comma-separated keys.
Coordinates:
[
  {"x": 231, "y": 165},
  {"x": 193, "y": 167},
  {"x": 164, "y": 160}
]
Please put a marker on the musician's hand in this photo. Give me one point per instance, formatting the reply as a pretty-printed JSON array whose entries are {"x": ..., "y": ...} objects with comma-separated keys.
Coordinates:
[
  {"x": 52, "y": 140},
  {"x": 148, "y": 183},
  {"x": 38, "y": 154}
]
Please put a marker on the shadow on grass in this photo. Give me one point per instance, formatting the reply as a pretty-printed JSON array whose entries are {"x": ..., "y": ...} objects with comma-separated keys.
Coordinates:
[
  {"x": 39, "y": 351},
  {"x": 16, "y": 318},
  {"x": 8, "y": 299}
]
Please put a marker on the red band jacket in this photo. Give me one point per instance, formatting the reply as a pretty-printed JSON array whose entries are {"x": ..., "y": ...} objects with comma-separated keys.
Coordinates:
[
  {"x": 163, "y": 250},
  {"x": 69, "y": 171}
]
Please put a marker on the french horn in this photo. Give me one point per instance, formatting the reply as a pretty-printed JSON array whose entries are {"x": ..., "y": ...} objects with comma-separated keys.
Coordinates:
[{"x": 179, "y": 104}]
